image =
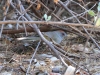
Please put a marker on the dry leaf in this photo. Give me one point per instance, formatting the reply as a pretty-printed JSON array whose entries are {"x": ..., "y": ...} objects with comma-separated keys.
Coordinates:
[
  {"x": 80, "y": 48},
  {"x": 70, "y": 70},
  {"x": 56, "y": 1},
  {"x": 38, "y": 6},
  {"x": 4, "y": 8}
]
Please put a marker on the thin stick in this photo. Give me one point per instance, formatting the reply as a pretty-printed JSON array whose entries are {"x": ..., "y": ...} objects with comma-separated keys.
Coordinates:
[
  {"x": 45, "y": 22},
  {"x": 32, "y": 58}
]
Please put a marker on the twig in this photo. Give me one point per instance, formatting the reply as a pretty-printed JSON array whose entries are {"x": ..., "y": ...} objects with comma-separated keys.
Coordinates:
[
  {"x": 45, "y": 22},
  {"x": 5, "y": 17},
  {"x": 74, "y": 63},
  {"x": 80, "y": 23},
  {"x": 27, "y": 72},
  {"x": 65, "y": 55}
]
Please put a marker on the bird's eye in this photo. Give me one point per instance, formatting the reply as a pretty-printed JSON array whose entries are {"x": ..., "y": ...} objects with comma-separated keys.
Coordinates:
[{"x": 63, "y": 34}]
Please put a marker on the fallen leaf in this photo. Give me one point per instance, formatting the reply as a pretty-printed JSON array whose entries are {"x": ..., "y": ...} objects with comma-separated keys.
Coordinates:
[
  {"x": 56, "y": 1},
  {"x": 38, "y": 6}
]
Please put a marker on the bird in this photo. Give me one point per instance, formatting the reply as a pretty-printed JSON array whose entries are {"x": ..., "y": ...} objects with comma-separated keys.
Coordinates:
[{"x": 56, "y": 36}]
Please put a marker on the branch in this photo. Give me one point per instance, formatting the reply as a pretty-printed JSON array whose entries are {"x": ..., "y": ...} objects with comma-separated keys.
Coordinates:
[{"x": 45, "y": 22}]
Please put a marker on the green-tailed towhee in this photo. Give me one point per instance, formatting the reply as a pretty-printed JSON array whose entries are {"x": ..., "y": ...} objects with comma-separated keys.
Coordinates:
[{"x": 56, "y": 36}]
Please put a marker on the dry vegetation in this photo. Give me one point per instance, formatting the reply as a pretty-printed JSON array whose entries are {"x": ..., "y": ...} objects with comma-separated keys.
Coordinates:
[{"x": 79, "y": 52}]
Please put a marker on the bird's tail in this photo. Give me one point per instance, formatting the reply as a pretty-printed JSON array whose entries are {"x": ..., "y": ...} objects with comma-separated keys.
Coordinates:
[{"x": 33, "y": 38}]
